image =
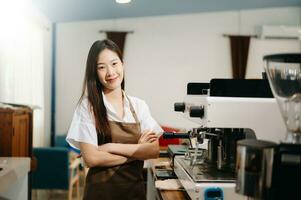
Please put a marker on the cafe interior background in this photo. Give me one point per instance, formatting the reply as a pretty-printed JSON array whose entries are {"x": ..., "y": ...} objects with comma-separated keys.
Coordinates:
[{"x": 44, "y": 46}]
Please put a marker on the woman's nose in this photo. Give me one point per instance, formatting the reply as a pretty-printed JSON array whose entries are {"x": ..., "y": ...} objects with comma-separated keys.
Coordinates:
[{"x": 110, "y": 70}]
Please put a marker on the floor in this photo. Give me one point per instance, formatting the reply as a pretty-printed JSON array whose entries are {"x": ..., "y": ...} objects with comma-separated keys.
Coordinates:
[{"x": 57, "y": 194}]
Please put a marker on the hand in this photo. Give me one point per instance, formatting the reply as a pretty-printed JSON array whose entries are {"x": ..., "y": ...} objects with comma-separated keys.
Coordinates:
[
  {"x": 105, "y": 147},
  {"x": 147, "y": 137},
  {"x": 130, "y": 160}
]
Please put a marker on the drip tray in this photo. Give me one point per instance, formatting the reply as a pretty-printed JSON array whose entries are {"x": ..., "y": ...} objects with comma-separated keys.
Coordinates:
[{"x": 205, "y": 172}]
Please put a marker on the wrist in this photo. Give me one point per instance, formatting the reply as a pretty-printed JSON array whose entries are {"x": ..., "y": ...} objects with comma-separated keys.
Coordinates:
[{"x": 112, "y": 147}]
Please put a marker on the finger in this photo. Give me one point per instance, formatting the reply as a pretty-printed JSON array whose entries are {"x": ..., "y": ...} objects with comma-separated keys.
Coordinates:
[
  {"x": 145, "y": 134},
  {"x": 151, "y": 137},
  {"x": 152, "y": 140},
  {"x": 150, "y": 134},
  {"x": 146, "y": 131}
]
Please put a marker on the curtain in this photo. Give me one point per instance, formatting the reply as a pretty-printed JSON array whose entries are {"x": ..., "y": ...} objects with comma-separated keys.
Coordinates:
[
  {"x": 119, "y": 39},
  {"x": 21, "y": 70},
  {"x": 239, "y": 55}
]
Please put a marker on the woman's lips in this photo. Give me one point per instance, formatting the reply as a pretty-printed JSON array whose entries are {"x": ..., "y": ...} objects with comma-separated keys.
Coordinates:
[{"x": 112, "y": 79}]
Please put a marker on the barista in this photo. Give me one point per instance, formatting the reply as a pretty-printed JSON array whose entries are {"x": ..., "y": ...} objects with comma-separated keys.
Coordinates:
[{"x": 115, "y": 132}]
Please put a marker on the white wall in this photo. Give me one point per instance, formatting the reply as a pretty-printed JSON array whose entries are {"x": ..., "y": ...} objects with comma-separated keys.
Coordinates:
[
  {"x": 47, "y": 84},
  {"x": 46, "y": 26},
  {"x": 164, "y": 54},
  {"x": 25, "y": 57}
]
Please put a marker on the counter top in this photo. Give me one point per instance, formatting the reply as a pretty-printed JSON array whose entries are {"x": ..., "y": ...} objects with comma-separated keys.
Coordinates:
[
  {"x": 167, "y": 194},
  {"x": 13, "y": 169}
]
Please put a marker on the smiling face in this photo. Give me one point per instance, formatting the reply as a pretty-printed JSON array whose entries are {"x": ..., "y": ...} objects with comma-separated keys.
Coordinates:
[{"x": 109, "y": 70}]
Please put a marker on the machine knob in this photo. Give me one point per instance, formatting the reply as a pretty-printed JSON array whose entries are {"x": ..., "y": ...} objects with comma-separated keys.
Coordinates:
[
  {"x": 179, "y": 107},
  {"x": 196, "y": 111}
]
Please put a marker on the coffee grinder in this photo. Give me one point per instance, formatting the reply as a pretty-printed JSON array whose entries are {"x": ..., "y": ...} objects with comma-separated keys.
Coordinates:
[{"x": 267, "y": 170}]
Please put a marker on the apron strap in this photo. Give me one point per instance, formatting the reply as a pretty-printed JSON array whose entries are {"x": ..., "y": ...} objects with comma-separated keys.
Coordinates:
[{"x": 132, "y": 109}]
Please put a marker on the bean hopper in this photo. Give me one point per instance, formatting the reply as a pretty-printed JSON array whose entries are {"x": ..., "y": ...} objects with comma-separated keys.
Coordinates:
[{"x": 268, "y": 170}]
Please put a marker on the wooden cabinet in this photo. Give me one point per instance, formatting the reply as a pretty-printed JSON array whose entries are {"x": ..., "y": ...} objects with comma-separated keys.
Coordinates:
[
  {"x": 15, "y": 131},
  {"x": 16, "y": 134}
]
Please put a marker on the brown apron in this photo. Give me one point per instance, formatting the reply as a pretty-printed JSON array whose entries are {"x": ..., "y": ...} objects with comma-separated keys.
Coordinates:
[{"x": 120, "y": 182}]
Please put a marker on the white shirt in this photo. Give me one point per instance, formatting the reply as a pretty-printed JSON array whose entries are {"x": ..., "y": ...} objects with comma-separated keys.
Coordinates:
[{"x": 82, "y": 128}]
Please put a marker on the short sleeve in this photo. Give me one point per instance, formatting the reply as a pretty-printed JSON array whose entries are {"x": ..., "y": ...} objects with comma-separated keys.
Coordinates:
[
  {"x": 82, "y": 127},
  {"x": 147, "y": 121}
]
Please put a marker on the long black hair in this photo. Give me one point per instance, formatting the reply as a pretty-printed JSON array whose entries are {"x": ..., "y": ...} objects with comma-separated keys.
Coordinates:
[{"x": 92, "y": 87}]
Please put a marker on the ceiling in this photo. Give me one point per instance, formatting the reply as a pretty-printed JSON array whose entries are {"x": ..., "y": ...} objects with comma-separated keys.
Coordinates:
[{"x": 79, "y": 10}]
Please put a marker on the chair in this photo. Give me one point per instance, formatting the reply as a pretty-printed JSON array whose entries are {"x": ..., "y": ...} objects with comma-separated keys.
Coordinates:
[
  {"x": 60, "y": 141},
  {"x": 56, "y": 168}
]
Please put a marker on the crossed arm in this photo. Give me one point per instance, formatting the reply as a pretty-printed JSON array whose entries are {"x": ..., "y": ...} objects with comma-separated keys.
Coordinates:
[{"x": 113, "y": 154}]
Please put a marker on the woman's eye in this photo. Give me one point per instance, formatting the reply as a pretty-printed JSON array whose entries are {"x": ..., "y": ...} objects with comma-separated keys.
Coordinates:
[
  {"x": 100, "y": 67},
  {"x": 115, "y": 63}
]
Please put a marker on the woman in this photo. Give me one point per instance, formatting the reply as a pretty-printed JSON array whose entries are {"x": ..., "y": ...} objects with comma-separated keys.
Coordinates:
[{"x": 114, "y": 132}]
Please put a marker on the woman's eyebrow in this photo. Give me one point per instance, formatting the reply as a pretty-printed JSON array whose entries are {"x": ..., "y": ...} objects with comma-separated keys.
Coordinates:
[{"x": 115, "y": 59}]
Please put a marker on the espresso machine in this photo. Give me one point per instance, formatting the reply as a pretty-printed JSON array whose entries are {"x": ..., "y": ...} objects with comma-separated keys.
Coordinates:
[
  {"x": 225, "y": 111},
  {"x": 268, "y": 169}
]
